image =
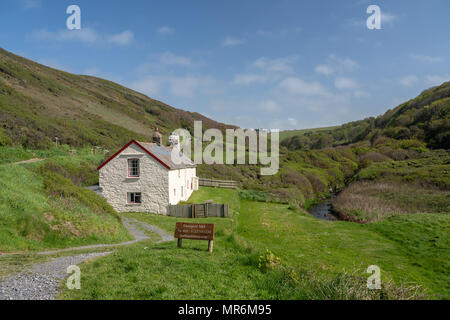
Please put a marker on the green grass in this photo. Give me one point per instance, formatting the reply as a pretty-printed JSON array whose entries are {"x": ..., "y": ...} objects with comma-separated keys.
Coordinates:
[
  {"x": 42, "y": 209},
  {"x": 425, "y": 240},
  {"x": 317, "y": 260}
]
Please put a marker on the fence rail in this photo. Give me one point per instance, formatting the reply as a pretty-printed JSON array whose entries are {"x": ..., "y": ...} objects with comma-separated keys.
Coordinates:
[
  {"x": 202, "y": 210},
  {"x": 230, "y": 184}
]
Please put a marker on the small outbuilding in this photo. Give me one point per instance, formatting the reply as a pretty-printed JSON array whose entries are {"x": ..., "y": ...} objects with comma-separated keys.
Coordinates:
[{"x": 141, "y": 177}]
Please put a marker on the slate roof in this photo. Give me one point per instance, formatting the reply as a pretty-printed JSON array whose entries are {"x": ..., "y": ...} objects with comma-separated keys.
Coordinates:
[
  {"x": 159, "y": 152},
  {"x": 164, "y": 154}
]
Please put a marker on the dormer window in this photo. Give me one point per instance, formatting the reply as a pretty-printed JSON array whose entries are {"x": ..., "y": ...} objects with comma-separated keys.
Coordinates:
[{"x": 133, "y": 168}]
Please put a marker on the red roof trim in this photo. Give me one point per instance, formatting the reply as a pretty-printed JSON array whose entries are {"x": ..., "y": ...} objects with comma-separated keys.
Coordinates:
[{"x": 140, "y": 146}]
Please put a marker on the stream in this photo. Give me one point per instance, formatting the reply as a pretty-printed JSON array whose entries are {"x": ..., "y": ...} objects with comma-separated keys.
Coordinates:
[{"x": 323, "y": 210}]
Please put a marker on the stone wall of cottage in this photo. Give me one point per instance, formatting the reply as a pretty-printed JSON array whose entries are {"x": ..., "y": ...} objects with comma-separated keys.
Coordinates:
[
  {"x": 181, "y": 184},
  {"x": 153, "y": 182}
]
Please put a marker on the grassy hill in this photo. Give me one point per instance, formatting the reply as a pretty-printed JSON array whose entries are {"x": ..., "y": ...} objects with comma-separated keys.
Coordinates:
[
  {"x": 43, "y": 204},
  {"x": 291, "y": 133},
  {"x": 315, "y": 162},
  {"x": 425, "y": 118},
  {"x": 38, "y": 103}
]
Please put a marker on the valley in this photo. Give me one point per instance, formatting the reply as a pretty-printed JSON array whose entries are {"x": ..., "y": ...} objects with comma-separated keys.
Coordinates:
[{"x": 390, "y": 176}]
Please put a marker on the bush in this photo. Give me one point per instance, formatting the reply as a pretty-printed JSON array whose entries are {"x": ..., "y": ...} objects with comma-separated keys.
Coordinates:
[{"x": 4, "y": 139}]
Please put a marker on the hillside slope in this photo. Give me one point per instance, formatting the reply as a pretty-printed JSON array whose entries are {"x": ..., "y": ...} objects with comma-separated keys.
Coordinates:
[
  {"x": 43, "y": 205},
  {"x": 425, "y": 118},
  {"x": 38, "y": 103}
]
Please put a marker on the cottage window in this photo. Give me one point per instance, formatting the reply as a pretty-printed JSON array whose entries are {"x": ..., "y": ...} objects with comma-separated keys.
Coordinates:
[
  {"x": 134, "y": 197},
  {"x": 133, "y": 167},
  {"x": 181, "y": 191},
  {"x": 175, "y": 192}
]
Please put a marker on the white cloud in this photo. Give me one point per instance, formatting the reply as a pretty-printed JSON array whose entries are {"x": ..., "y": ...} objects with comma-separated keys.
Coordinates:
[
  {"x": 280, "y": 65},
  {"x": 424, "y": 58},
  {"x": 180, "y": 86},
  {"x": 297, "y": 86},
  {"x": 409, "y": 81},
  {"x": 435, "y": 80},
  {"x": 269, "y": 106},
  {"x": 345, "y": 83},
  {"x": 250, "y": 78},
  {"x": 85, "y": 35},
  {"x": 150, "y": 86},
  {"x": 171, "y": 59},
  {"x": 324, "y": 69},
  {"x": 335, "y": 64},
  {"x": 387, "y": 17},
  {"x": 165, "y": 30},
  {"x": 343, "y": 64},
  {"x": 292, "y": 121},
  {"x": 231, "y": 41},
  {"x": 122, "y": 39}
]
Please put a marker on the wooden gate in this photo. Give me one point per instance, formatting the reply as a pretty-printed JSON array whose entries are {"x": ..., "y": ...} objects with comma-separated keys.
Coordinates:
[{"x": 202, "y": 210}]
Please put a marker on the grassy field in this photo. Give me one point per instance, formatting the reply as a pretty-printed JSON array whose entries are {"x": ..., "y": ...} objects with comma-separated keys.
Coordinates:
[
  {"x": 43, "y": 204},
  {"x": 267, "y": 251}
]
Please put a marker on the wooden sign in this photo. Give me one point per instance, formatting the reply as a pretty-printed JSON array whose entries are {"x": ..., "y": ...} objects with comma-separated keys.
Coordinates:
[{"x": 195, "y": 231}]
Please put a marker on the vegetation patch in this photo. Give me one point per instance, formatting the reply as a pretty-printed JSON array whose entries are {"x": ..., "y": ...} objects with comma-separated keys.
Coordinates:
[
  {"x": 374, "y": 201},
  {"x": 41, "y": 209}
]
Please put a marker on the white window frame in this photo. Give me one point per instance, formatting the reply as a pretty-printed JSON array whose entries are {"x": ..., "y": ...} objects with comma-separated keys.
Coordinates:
[
  {"x": 132, "y": 195},
  {"x": 131, "y": 167}
]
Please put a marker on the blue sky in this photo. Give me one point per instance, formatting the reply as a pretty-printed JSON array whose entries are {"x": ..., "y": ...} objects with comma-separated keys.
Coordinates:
[{"x": 256, "y": 63}]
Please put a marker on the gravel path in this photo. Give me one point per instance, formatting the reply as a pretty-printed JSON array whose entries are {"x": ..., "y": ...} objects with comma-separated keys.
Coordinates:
[
  {"x": 42, "y": 281},
  {"x": 29, "y": 161},
  {"x": 135, "y": 227}
]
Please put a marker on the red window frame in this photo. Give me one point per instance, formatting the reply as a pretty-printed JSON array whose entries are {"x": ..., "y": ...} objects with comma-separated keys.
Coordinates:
[
  {"x": 129, "y": 197},
  {"x": 138, "y": 168}
]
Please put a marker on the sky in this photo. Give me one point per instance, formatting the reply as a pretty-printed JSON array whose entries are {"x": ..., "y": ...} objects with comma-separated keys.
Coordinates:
[{"x": 253, "y": 63}]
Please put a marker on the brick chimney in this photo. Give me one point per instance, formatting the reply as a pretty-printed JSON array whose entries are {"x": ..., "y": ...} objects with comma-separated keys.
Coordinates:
[{"x": 157, "y": 137}]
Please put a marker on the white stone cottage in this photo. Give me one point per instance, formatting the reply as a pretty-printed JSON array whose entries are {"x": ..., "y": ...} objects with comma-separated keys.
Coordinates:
[{"x": 141, "y": 177}]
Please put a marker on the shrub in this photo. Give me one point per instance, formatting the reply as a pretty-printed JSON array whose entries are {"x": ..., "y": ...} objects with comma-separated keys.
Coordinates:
[
  {"x": 268, "y": 261},
  {"x": 4, "y": 139},
  {"x": 317, "y": 184},
  {"x": 374, "y": 156}
]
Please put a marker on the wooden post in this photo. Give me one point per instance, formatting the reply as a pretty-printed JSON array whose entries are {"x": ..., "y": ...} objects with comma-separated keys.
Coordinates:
[
  {"x": 210, "y": 245},
  {"x": 179, "y": 242}
]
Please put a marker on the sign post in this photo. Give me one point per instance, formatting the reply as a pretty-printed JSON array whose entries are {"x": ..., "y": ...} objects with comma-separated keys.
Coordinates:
[{"x": 195, "y": 231}]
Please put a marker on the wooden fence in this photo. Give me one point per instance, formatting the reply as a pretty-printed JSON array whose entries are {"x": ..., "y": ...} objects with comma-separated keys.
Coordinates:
[
  {"x": 230, "y": 184},
  {"x": 202, "y": 210}
]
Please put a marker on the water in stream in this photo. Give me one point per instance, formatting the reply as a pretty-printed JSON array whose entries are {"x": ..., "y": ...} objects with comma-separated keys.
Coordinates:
[{"x": 322, "y": 211}]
